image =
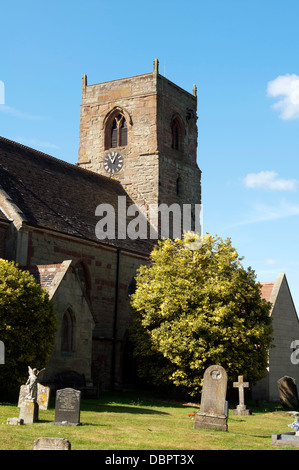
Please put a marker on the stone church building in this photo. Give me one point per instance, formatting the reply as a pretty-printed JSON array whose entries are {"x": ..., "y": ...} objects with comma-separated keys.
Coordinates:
[{"x": 137, "y": 146}]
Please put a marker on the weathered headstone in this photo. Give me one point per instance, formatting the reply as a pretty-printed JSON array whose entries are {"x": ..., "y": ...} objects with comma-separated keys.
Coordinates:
[
  {"x": 29, "y": 411},
  {"x": 288, "y": 392},
  {"x": 285, "y": 439},
  {"x": 29, "y": 405},
  {"x": 67, "y": 407},
  {"x": 213, "y": 406},
  {"x": 43, "y": 395},
  {"x": 241, "y": 407},
  {"x": 51, "y": 443}
]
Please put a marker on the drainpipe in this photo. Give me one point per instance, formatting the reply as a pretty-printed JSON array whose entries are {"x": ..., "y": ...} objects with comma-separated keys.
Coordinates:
[{"x": 114, "y": 339}]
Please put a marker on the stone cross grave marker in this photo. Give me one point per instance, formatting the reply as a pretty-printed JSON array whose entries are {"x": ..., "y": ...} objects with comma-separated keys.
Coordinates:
[
  {"x": 213, "y": 405},
  {"x": 288, "y": 392},
  {"x": 241, "y": 407},
  {"x": 67, "y": 407}
]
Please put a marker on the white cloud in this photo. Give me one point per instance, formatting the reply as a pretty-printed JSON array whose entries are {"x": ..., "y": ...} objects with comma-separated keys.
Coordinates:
[
  {"x": 265, "y": 213},
  {"x": 269, "y": 180},
  {"x": 9, "y": 110},
  {"x": 35, "y": 143},
  {"x": 287, "y": 87},
  {"x": 269, "y": 261}
]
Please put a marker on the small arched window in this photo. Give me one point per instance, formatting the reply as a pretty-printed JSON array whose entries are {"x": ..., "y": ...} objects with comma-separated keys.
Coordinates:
[
  {"x": 176, "y": 134},
  {"x": 119, "y": 132},
  {"x": 83, "y": 277},
  {"x": 68, "y": 328}
]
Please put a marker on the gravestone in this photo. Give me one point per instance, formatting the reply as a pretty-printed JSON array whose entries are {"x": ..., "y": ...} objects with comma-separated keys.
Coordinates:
[
  {"x": 67, "y": 407},
  {"x": 29, "y": 405},
  {"x": 29, "y": 411},
  {"x": 213, "y": 407},
  {"x": 241, "y": 407},
  {"x": 51, "y": 443},
  {"x": 285, "y": 439},
  {"x": 288, "y": 392},
  {"x": 43, "y": 395}
]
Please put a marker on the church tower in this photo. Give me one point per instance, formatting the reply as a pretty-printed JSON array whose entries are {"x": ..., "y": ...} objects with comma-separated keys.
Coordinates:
[{"x": 142, "y": 131}]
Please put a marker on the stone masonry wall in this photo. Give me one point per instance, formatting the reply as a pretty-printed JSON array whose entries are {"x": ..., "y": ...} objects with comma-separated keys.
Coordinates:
[
  {"x": 178, "y": 163},
  {"x": 136, "y": 96},
  {"x": 101, "y": 266}
]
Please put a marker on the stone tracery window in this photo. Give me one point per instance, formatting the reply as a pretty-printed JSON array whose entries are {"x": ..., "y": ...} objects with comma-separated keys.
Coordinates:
[
  {"x": 119, "y": 132},
  {"x": 116, "y": 128}
]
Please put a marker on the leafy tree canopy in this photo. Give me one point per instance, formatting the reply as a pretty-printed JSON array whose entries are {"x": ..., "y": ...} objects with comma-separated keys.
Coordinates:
[
  {"x": 27, "y": 324},
  {"x": 196, "y": 305}
]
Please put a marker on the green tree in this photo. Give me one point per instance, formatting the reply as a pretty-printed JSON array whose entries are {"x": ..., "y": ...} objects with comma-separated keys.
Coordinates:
[
  {"x": 195, "y": 305},
  {"x": 27, "y": 324}
]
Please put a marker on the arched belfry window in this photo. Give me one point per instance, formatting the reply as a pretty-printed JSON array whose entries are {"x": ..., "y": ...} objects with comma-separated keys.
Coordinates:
[
  {"x": 177, "y": 133},
  {"x": 119, "y": 132},
  {"x": 116, "y": 127},
  {"x": 68, "y": 329}
]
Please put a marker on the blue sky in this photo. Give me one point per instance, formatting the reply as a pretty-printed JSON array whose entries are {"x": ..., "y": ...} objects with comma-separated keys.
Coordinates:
[{"x": 243, "y": 57}]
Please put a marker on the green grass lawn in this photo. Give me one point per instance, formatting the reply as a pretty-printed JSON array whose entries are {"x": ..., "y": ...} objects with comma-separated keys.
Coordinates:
[{"x": 132, "y": 421}]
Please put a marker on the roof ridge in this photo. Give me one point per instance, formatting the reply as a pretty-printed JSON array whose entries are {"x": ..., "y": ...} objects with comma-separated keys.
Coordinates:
[{"x": 59, "y": 160}]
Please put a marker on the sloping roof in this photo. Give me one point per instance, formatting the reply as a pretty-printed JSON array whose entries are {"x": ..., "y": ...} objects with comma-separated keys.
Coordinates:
[
  {"x": 57, "y": 195},
  {"x": 48, "y": 276},
  {"x": 266, "y": 291},
  {"x": 44, "y": 274},
  {"x": 271, "y": 290},
  {"x": 4, "y": 217}
]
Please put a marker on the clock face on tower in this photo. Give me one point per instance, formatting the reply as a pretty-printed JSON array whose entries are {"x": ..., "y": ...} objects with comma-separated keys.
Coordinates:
[{"x": 113, "y": 162}]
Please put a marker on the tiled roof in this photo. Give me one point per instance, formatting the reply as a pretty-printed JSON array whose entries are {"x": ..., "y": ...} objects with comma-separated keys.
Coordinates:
[
  {"x": 48, "y": 276},
  {"x": 266, "y": 291},
  {"x": 43, "y": 274},
  {"x": 59, "y": 196}
]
